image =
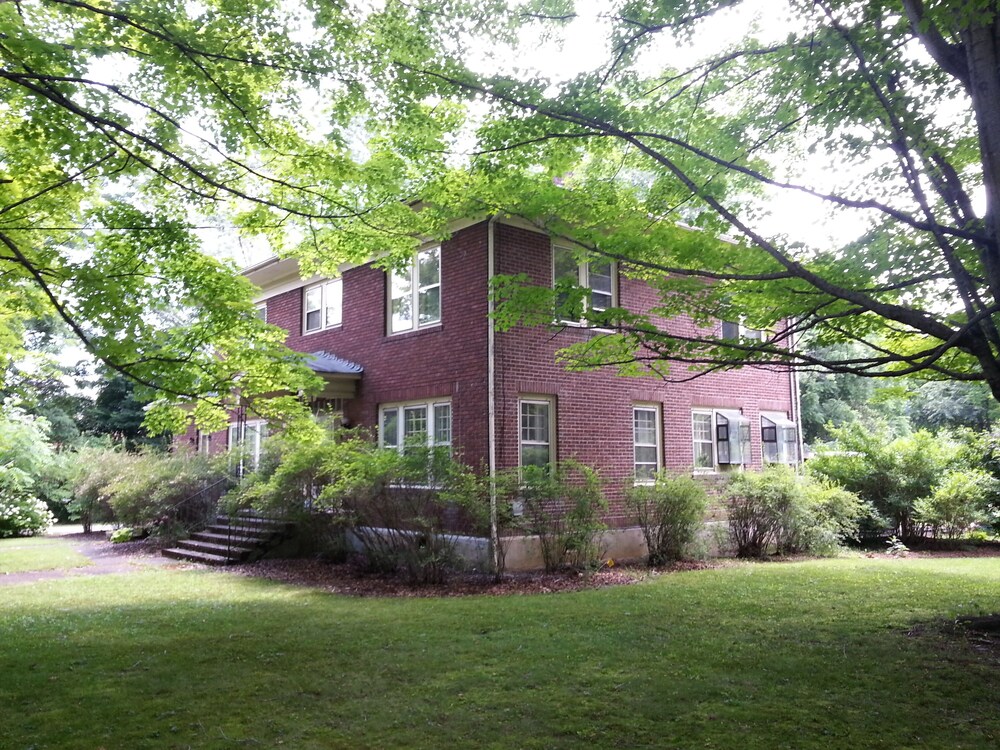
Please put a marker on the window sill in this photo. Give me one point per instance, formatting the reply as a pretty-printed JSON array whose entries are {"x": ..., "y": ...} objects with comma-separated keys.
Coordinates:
[
  {"x": 431, "y": 328},
  {"x": 323, "y": 330}
]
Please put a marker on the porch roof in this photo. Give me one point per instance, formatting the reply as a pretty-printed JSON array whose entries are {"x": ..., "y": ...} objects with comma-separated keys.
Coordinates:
[{"x": 325, "y": 363}]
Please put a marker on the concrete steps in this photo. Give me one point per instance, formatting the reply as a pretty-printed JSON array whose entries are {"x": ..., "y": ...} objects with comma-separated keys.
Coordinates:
[{"x": 233, "y": 540}]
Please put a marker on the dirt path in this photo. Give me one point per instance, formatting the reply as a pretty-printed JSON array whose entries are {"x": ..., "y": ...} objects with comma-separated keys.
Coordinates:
[{"x": 104, "y": 557}]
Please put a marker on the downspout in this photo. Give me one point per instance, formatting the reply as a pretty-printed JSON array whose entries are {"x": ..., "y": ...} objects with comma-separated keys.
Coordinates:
[
  {"x": 797, "y": 406},
  {"x": 491, "y": 395}
]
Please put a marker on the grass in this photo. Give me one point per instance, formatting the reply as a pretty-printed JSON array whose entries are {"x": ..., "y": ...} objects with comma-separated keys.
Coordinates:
[
  {"x": 22, "y": 555},
  {"x": 804, "y": 655}
]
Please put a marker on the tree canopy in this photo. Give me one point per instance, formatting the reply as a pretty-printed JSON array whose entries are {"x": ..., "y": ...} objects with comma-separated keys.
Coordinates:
[{"x": 127, "y": 128}]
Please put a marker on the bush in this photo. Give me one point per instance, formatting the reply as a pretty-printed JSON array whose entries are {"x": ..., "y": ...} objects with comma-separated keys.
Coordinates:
[
  {"x": 21, "y": 513},
  {"x": 775, "y": 510},
  {"x": 888, "y": 473},
  {"x": 670, "y": 512},
  {"x": 162, "y": 493},
  {"x": 562, "y": 506},
  {"x": 958, "y": 502}
]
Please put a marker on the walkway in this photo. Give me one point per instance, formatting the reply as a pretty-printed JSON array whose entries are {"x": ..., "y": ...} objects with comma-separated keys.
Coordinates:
[{"x": 104, "y": 557}]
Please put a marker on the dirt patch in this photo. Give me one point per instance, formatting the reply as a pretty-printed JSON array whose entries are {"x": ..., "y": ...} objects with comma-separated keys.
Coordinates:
[{"x": 350, "y": 580}]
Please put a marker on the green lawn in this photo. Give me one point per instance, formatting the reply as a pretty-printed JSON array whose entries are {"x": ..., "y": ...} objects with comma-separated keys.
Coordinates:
[
  {"x": 39, "y": 553},
  {"x": 805, "y": 655}
]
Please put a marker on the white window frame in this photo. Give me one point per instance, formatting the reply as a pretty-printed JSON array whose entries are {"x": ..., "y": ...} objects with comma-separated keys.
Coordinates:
[
  {"x": 786, "y": 440},
  {"x": 412, "y": 278},
  {"x": 742, "y": 332},
  {"x": 433, "y": 410},
  {"x": 204, "y": 443},
  {"x": 657, "y": 444},
  {"x": 331, "y": 299},
  {"x": 723, "y": 421},
  {"x": 262, "y": 310},
  {"x": 550, "y": 404},
  {"x": 583, "y": 280},
  {"x": 710, "y": 415},
  {"x": 237, "y": 436}
]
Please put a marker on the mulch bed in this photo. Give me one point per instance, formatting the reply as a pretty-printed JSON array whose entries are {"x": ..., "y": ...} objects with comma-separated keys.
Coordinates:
[{"x": 351, "y": 580}]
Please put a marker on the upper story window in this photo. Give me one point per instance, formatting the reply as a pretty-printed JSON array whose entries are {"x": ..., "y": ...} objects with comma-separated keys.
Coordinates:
[
  {"x": 262, "y": 310},
  {"x": 323, "y": 305},
  {"x": 597, "y": 275},
  {"x": 415, "y": 293},
  {"x": 779, "y": 439},
  {"x": 736, "y": 331},
  {"x": 720, "y": 439}
]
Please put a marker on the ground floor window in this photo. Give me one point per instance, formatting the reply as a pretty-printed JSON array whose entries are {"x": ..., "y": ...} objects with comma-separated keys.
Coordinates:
[
  {"x": 720, "y": 439},
  {"x": 412, "y": 426},
  {"x": 537, "y": 429},
  {"x": 647, "y": 444},
  {"x": 779, "y": 437},
  {"x": 205, "y": 442},
  {"x": 248, "y": 437}
]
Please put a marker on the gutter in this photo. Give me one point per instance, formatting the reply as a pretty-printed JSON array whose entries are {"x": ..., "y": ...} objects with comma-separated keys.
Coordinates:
[{"x": 491, "y": 395}]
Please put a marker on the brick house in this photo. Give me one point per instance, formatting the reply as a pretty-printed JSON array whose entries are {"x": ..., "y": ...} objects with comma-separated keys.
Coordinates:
[{"x": 414, "y": 353}]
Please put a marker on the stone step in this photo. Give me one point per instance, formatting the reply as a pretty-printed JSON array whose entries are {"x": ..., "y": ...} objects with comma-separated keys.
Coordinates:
[
  {"x": 214, "y": 548},
  {"x": 248, "y": 532},
  {"x": 224, "y": 537},
  {"x": 252, "y": 522},
  {"x": 191, "y": 555}
]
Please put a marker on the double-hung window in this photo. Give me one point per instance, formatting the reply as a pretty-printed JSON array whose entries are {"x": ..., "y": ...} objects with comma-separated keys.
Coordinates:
[
  {"x": 779, "y": 438},
  {"x": 261, "y": 308},
  {"x": 703, "y": 444},
  {"x": 597, "y": 276},
  {"x": 323, "y": 305},
  {"x": 415, "y": 293},
  {"x": 537, "y": 430},
  {"x": 646, "y": 441}
]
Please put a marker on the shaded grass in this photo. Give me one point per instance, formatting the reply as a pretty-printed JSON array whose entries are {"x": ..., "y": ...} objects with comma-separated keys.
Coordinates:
[
  {"x": 21, "y": 555},
  {"x": 804, "y": 655}
]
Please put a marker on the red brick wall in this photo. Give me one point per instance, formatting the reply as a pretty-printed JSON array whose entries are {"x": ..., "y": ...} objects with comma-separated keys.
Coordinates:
[
  {"x": 594, "y": 409},
  {"x": 444, "y": 360}
]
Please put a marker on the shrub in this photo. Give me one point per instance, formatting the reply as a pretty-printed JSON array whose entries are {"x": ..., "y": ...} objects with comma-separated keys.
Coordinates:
[
  {"x": 775, "y": 510},
  {"x": 670, "y": 512},
  {"x": 888, "y": 473},
  {"x": 958, "y": 502},
  {"x": 163, "y": 493},
  {"x": 561, "y": 506},
  {"x": 21, "y": 513}
]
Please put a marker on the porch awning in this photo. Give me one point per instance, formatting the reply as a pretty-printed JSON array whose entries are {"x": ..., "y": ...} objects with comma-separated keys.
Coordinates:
[{"x": 341, "y": 375}]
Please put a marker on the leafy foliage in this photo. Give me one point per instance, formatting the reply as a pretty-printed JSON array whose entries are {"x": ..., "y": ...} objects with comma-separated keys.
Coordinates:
[
  {"x": 21, "y": 513},
  {"x": 670, "y": 513},
  {"x": 777, "y": 511},
  {"x": 959, "y": 501},
  {"x": 162, "y": 493},
  {"x": 889, "y": 473},
  {"x": 561, "y": 505}
]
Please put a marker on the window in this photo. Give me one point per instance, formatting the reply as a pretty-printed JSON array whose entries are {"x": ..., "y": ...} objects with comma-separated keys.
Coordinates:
[
  {"x": 416, "y": 426},
  {"x": 596, "y": 275},
  {"x": 646, "y": 441},
  {"x": 415, "y": 293},
  {"x": 720, "y": 438},
  {"x": 704, "y": 446},
  {"x": 735, "y": 331},
  {"x": 248, "y": 438},
  {"x": 204, "y": 442},
  {"x": 262, "y": 311},
  {"x": 732, "y": 437},
  {"x": 536, "y": 432},
  {"x": 779, "y": 438},
  {"x": 323, "y": 306}
]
